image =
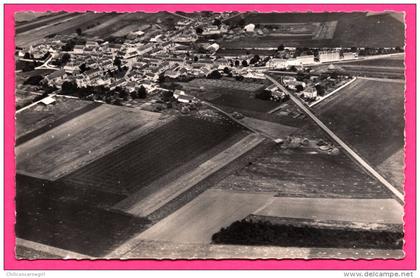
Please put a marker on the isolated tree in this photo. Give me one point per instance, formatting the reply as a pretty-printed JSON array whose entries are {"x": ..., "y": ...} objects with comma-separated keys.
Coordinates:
[
  {"x": 79, "y": 31},
  {"x": 244, "y": 63},
  {"x": 195, "y": 59},
  {"x": 237, "y": 63}
]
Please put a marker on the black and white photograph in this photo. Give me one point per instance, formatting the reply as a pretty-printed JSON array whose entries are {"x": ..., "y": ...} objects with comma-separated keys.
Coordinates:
[{"x": 209, "y": 135}]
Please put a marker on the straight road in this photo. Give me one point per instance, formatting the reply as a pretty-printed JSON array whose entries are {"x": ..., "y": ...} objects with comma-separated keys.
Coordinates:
[{"x": 353, "y": 154}]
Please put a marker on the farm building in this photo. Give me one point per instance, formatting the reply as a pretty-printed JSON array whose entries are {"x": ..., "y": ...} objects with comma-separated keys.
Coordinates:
[
  {"x": 310, "y": 93},
  {"x": 47, "y": 101},
  {"x": 329, "y": 56},
  {"x": 276, "y": 63},
  {"x": 249, "y": 28}
]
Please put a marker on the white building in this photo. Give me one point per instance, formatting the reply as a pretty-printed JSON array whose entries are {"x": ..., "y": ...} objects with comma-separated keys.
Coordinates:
[{"x": 249, "y": 28}]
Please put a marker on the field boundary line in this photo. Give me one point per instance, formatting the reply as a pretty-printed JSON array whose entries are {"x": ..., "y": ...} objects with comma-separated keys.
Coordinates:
[
  {"x": 333, "y": 92},
  {"x": 352, "y": 153},
  {"x": 153, "y": 202},
  {"x": 65, "y": 254},
  {"x": 402, "y": 81}
]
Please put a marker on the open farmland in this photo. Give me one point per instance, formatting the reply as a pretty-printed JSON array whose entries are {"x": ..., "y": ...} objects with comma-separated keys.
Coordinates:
[
  {"x": 82, "y": 140},
  {"x": 391, "y": 61},
  {"x": 369, "y": 116},
  {"x": 298, "y": 173},
  {"x": 191, "y": 224},
  {"x": 119, "y": 23},
  {"x": 152, "y": 155},
  {"x": 70, "y": 224},
  {"x": 352, "y": 29},
  {"x": 39, "y": 118},
  {"x": 43, "y": 21},
  {"x": 69, "y": 25}
]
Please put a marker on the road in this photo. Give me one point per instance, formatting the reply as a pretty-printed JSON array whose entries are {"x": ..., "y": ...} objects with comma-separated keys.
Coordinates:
[{"x": 353, "y": 154}]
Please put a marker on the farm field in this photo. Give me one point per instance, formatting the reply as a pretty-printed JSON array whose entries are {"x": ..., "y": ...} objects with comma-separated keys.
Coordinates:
[
  {"x": 43, "y": 21},
  {"x": 127, "y": 21},
  {"x": 393, "y": 61},
  {"x": 372, "y": 211},
  {"x": 152, "y": 202},
  {"x": 156, "y": 249},
  {"x": 39, "y": 118},
  {"x": 370, "y": 118},
  {"x": 233, "y": 102},
  {"x": 273, "y": 129},
  {"x": 389, "y": 33},
  {"x": 299, "y": 173},
  {"x": 191, "y": 224},
  {"x": 29, "y": 37},
  {"x": 68, "y": 224},
  {"x": 83, "y": 139},
  {"x": 150, "y": 156},
  {"x": 248, "y": 87}
]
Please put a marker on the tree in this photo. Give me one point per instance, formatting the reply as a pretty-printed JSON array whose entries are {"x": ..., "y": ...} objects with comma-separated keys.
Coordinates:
[
  {"x": 281, "y": 47},
  {"x": 237, "y": 63},
  {"x": 65, "y": 59},
  {"x": 244, "y": 63},
  {"x": 254, "y": 59},
  {"x": 199, "y": 30},
  {"x": 217, "y": 22},
  {"x": 195, "y": 59},
  {"x": 79, "y": 31},
  {"x": 118, "y": 62},
  {"x": 167, "y": 95},
  {"x": 33, "y": 80},
  {"x": 69, "y": 88},
  {"x": 27, "y": 56},
  {"x": 214, "y": 75},
  {"x": 226, "y": 70},
  {"x": 299, "y": 88},
  {"x": 264, "y": 95},
  {"x": 241, "y": 23},
  {"x": 83, "y": 68},
  {"x": 320, "y": 89},
  {"x": 142, "y": 93}
]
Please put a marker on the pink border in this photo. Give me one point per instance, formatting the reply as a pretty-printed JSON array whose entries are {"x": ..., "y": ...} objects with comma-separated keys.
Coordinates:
[{"x": 408, "y": 263}]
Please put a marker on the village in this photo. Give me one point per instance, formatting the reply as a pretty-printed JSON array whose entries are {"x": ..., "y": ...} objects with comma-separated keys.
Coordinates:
[{"x": 136, "y": 70}]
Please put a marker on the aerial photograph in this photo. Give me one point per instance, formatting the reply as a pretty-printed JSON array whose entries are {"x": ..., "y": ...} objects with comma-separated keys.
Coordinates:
[{"x": 209, "y": 135}]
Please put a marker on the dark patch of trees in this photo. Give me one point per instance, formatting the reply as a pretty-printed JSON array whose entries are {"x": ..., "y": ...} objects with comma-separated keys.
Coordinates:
[
  {"x": 33, "y": 80},
  {"x": 199, "y": 30},
  {"x": 214, "y": 75},
  {"x": 263, "y": 95},
  {"x": 258, "y": 232}
]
